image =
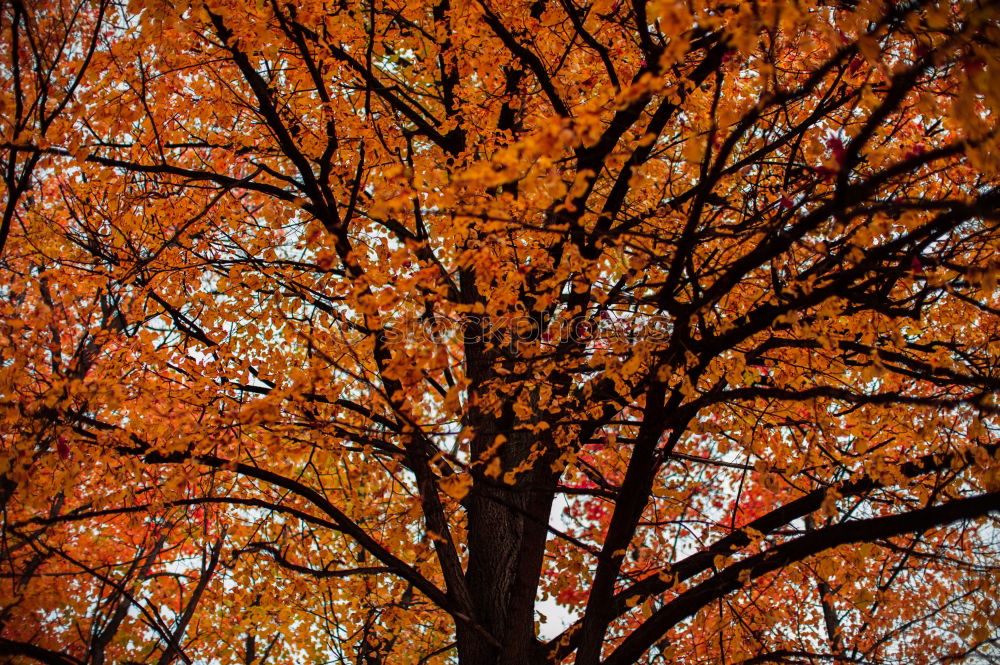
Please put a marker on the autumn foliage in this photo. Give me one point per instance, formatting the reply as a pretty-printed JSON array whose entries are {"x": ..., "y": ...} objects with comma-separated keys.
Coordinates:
[{"x": 494, "y": 332}]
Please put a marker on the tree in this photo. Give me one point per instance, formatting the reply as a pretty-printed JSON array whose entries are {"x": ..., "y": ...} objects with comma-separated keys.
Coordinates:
[{"x": 351, "y": 331}]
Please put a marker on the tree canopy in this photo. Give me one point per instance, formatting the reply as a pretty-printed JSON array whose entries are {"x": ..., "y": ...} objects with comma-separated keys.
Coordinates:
[{"x": 372, "y": 331}]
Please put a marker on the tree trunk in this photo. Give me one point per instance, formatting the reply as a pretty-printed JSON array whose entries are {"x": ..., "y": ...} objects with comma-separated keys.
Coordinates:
[{"x": 507, "y": 533}]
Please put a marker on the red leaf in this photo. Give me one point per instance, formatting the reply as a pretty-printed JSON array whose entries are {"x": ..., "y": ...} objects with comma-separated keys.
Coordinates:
[
  {"x": 836, "y": 146},
  {"x": 62, "y": 448}
]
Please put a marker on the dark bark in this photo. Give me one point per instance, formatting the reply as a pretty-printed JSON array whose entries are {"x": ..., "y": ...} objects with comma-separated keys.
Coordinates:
[{"x": 507, "y": 534}]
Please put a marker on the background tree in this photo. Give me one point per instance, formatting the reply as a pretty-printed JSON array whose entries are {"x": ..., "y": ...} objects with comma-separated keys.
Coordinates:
[{"x": 350, "y": 331}]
